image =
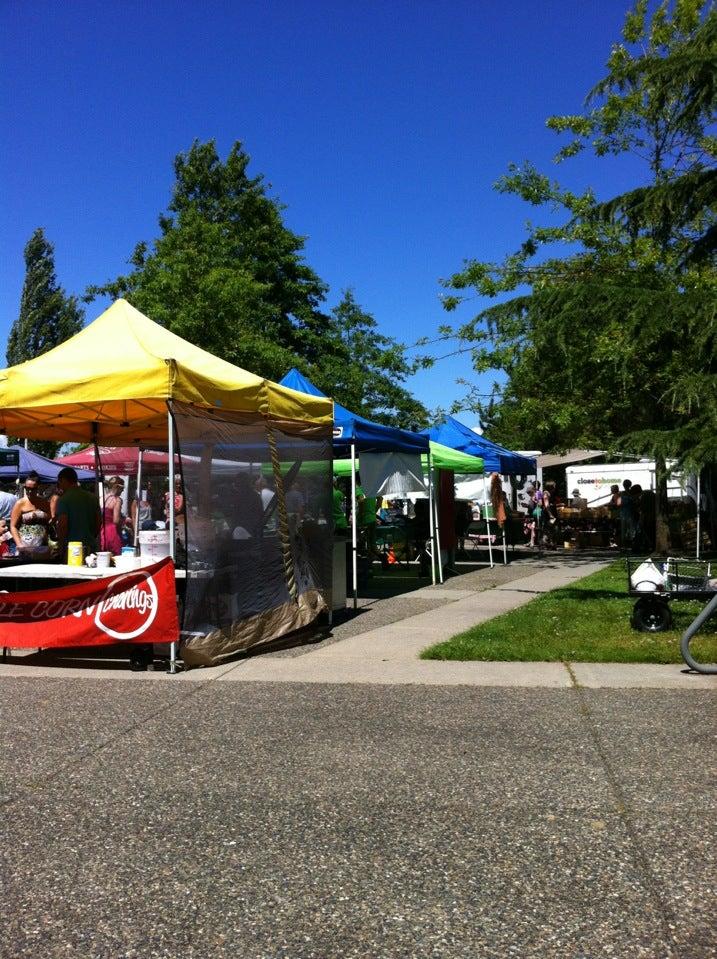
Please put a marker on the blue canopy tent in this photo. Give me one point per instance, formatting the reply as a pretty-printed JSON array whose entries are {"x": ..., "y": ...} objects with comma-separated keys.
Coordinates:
[
  {"x": 496, "y": 459},
  {"x": 355, "y": 434},
  {"x": 350, "y": 428},
  {"x": 45, "y": 468}
]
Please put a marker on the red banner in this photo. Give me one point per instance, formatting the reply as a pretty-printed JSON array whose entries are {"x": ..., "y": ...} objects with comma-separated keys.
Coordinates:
[{"x": 139, "y": 606}]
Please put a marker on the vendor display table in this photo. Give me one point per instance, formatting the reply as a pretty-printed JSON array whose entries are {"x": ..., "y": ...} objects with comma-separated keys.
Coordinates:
[
  {"x": 61, "y": 571},
  {"x": 55, "y": 571}
]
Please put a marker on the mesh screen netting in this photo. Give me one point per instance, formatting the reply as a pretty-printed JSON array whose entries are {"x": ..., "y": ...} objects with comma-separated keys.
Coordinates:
[{"x": 256, "y": 536}]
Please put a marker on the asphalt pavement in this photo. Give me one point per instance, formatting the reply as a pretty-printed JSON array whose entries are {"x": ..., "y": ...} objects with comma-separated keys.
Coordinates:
[{"x": 232, "y": 819}]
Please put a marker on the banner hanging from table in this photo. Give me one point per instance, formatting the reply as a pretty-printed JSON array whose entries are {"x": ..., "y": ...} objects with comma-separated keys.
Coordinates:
[{"x": 139, "y": 606}]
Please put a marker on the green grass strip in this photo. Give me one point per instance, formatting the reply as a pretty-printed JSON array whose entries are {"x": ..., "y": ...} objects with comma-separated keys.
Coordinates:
[{"x": 588, "y": 621}]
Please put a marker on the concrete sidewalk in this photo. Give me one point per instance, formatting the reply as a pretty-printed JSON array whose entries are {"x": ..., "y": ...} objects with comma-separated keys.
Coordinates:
[{"x": 388, "y": 655}]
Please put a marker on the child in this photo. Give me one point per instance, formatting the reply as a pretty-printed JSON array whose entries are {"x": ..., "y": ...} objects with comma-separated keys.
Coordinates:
[{"x": 7, "y": 544}]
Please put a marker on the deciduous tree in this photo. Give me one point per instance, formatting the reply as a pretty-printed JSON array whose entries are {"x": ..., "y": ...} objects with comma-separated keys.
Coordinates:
[{"x": 365, "y": 369}]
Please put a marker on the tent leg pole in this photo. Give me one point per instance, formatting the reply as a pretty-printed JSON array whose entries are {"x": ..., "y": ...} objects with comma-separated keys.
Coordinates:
[
  {"x": 172, "y": 523},
  {"x": 438, "y": 539},
  {"x": 354, "y": 536},
  {"x": 699, "y": 529},
  {"x": 138, "y": 496},
  {"x": 487, "y": 522},
  {"x": 99, "y": 475},
  {"x": 431, "y": 520},
  {"x": 505, "y": 542}
]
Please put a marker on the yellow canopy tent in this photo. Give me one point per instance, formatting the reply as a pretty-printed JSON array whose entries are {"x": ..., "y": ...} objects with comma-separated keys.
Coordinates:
[
  {"x": 126, "y": 381},
  {"x": 111, "y": 383}
]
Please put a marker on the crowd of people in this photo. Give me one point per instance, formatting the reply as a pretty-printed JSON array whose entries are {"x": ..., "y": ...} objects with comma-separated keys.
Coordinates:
[
  {"x": 633, "y": 513},
  {"x": 44, "y": 519},
  {"x": 40, "y": 520},
  {"x": 630, "y": 516},
  {"x": 541, "y": 514}
]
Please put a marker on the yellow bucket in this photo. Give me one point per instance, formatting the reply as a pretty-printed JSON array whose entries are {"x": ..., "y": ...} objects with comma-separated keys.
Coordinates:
[{"x": 75, "y": 554}]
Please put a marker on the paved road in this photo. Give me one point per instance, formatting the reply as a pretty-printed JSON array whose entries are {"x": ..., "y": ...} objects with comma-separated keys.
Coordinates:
[{"x": 159, "y": 819}]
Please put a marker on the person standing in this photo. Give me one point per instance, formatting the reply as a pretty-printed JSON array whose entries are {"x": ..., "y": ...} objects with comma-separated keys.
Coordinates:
[
  {"x": 178, "y": 501},
  {"x": 78, "y": 513},
  {"x": 367, "y": 506},
  {"x": 550, "y": 514},
  {"x": 7, "y": 544},
  {"x": 30, "y": 516},
  {"x": 360, "y": 498},
  {"x": 647, "y": 519},
  {"x": 295, "y": 505},
  {"x": 638, "y": 536},
  {"x": 614, "y": 508},
  {"x": 142, "y": 512},
  {"x": 529, "y": 525},
  {"x": 7, "y": 502},
  {"x": 464, "y": 518},
  {"x": 338, "y": 509},
  {"x": 536, "y": 514},
  {"x": 112, "y": 519},
  {"x": 497, "y": 500},
  {"x": 627, "y": 516},
  {"x": 247, "y": 510}
]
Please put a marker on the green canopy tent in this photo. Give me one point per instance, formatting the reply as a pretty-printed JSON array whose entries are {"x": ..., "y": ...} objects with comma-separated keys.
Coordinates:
[
  {"x": 442, "y": 457},
  {"x": 439, "y": 457}
]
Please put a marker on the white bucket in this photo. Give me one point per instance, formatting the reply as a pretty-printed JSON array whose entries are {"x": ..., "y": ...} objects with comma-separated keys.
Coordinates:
[
  {"x": 128, "y": 561},
  {"x": 154, "y": 544}
]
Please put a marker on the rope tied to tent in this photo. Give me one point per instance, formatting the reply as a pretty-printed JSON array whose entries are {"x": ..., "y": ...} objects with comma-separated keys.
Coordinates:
[{"x": 284, "y": 533}]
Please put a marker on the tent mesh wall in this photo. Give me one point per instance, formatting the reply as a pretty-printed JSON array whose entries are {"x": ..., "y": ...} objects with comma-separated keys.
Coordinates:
[{"x": 256, "y": 532}]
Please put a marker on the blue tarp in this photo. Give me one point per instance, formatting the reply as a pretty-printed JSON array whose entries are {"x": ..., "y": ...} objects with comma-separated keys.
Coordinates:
[
  {"x": 496, "y": 459},
  {"x": 46, "y": 469},
  {"x": 351, "y": 428}
]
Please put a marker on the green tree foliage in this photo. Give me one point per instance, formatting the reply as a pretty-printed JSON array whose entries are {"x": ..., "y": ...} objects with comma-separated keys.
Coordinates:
[
  {"x": 364, "y": 369},
  {"x": 226, "y": 274},
  {"x": 614, "y": 345},
  {"x": 682, "y": 77},
  {"x": 47, "y": 315}
]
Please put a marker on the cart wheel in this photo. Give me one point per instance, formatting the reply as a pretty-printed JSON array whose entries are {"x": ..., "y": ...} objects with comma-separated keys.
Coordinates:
[{"x": 651, "y": 616}]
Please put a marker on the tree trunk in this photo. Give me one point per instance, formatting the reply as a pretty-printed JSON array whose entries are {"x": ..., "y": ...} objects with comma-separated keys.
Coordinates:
[
  {"x": 662, "y": 526},
  {"x": 709, "y": 492}
]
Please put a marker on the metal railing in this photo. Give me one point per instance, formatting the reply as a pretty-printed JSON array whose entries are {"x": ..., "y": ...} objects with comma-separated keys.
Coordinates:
[{"x": 690, "y": 633}]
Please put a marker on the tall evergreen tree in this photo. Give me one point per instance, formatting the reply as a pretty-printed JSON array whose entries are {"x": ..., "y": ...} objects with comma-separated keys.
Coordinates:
[{"x": 47, "y": 315}]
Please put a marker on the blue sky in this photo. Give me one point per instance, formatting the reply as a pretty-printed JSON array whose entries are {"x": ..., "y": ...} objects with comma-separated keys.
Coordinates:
[{"x": 381, "y": 126}]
